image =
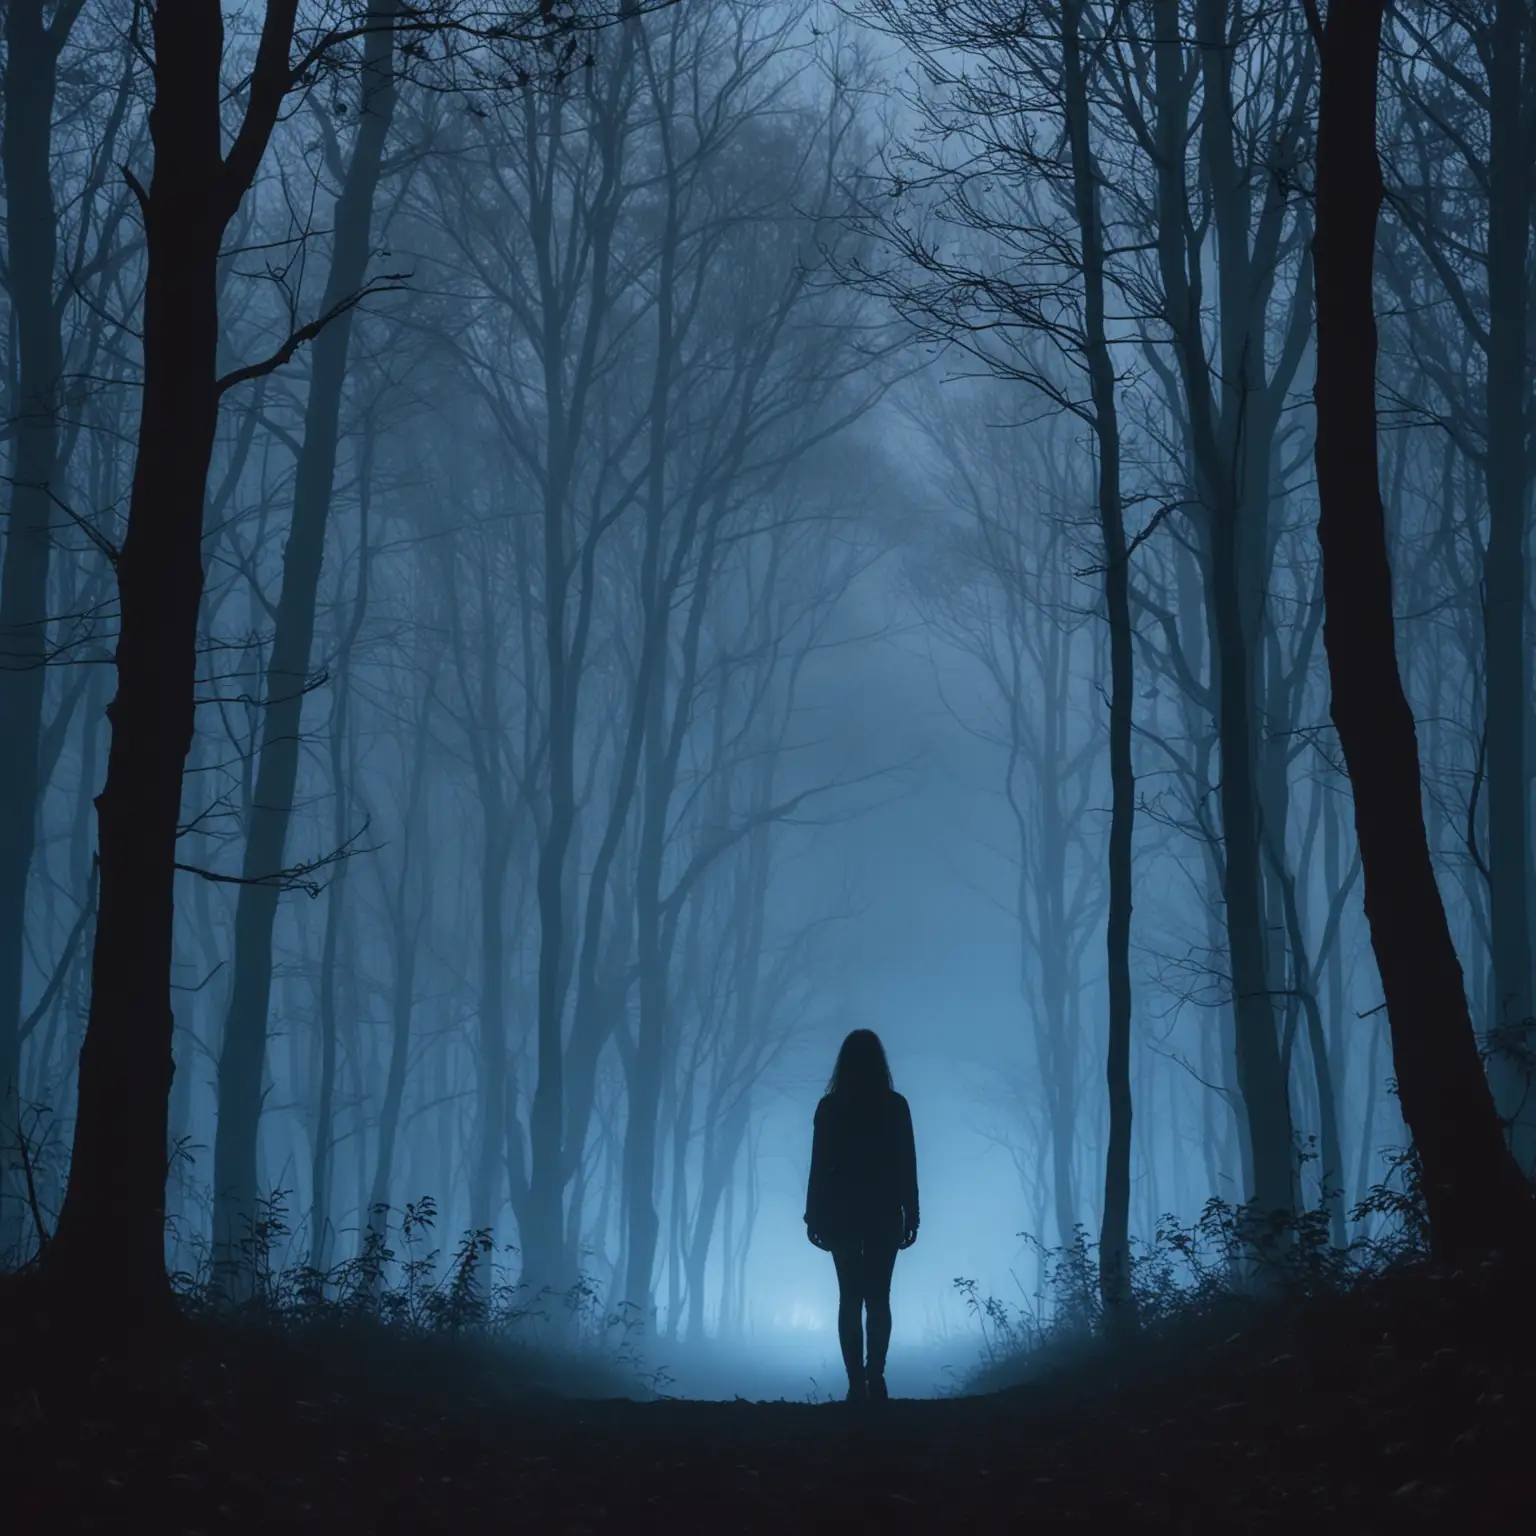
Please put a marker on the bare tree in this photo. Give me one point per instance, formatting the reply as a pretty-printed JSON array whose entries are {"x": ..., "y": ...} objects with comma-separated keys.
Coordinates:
[
  {"x": 1214, "y": 183},
  {"x": 1004, "y": 593},
  {"x": 1463, "y": 78},
  {"x": 116, "y": 1196},
  {"x": 46, "y": 272},
  {"x": 1478, "y": 1201},
  {"x": 243, "y": 1045},
  {"x": 1033, "y": 306}
]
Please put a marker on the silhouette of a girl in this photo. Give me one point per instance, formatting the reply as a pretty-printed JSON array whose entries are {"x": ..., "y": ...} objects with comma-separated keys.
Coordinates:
[{"x": 861, "y": 1204}]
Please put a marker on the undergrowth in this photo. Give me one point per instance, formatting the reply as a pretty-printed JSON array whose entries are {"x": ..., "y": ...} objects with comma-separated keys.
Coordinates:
[
  {"x": 402, "y": 1320},
  {"x": 1214, "y": 1277},
  {"x": 457, "y": 1321}
]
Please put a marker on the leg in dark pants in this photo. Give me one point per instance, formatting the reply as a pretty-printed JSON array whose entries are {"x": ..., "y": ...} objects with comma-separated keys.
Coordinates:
[
  {"x": 879, "y": 1262},
  {"x": 864, "y": 1270},
  {"x": 850, "y": 1312}
]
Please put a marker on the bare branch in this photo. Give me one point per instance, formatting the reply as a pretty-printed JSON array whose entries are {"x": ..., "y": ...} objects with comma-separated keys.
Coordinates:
[
  {"x": 299, "y": 877},
  {"x": 390, "y": 282}
]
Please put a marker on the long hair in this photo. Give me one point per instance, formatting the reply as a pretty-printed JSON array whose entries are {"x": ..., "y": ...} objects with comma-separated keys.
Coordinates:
[{"x": 861, "y": 1072}]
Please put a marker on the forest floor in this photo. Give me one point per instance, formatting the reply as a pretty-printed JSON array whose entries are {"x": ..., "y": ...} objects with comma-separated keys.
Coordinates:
[{"x": 1405, "y": 1404}]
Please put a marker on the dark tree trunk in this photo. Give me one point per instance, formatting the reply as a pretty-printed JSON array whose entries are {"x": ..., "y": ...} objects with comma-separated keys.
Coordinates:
[
  {"x": 1221, "y": 437},
  {"x": 114, "y": 1209},
  {"x": 1505, "y": 583},
  {"x": 1476, "y": 1198},
  {"x": 1114, "y": 1231},
  {"x": 243, "y": 1053},
  {"x": 31, "y": 75}
]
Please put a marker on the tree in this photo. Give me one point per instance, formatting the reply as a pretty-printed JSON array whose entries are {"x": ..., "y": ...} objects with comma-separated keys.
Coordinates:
[
  {"x": 734, "y": 405},
  {"x": 1477, "y": 1200},
  {"x": 1464, "y": 78},
  {"x": 340, "y": 746},
  {"x": 1002, "y": 589},
  {"x": 640, "y": 330},
  {"x": 115, "y": 1199},
  {"x": 243, "y": 1049},
  {"x": 39, "y": 294},
  {"x": 115, "y": 1203},
  {"x": 1042, "y": 302},
  {"x": 1203, "y": 200}
]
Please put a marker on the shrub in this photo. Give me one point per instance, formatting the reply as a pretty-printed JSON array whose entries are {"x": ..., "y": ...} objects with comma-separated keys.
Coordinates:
[
  {"x": 460, "y": 1323},
  {"x": 1216, "y": 1273}
]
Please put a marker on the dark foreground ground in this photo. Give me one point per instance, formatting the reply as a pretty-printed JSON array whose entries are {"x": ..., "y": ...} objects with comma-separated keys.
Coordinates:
[{"x": 1406, "y": 1406}]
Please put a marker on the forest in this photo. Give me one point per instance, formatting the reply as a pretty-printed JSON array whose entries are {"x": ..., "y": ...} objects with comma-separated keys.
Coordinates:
[{"x": 558, "y": 557}]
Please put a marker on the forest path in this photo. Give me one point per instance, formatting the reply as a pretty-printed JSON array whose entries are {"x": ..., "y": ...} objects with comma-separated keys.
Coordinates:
[{"x": 1241, "y": 1445}]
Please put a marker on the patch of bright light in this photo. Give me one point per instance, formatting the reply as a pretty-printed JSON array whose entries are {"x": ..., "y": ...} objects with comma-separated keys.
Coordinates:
[{"x": 799, "y": 1318}]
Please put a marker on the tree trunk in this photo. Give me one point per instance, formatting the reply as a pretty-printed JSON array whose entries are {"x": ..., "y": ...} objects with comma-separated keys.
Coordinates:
[
  {"x": 243, "y": 1051},
  {"x": 114, "y": 1210},
  {"x": 322, "y": 1166},
  {"x": 1333, "y": 973},
  {"x": 541, "y": 1236},
  {"x": 645, "y": 1105},
  {"x": 567, "y": 573},
  {"x": 1477, "y": 1200},
  {"x": 1221, "y": 439},
  {"x": 31, "y": 76},
  {"x": 1304, "y": 986},
  {"x": 405, "y": 946},
  {"x": 1367, "y": 1148},
  {"x": 486, "y": 1192},
  {"x": 725, "y": 1322},
  {"x": 1505, "y": 581},
  {"x": 407, "y": 938},
  {"x": 680, "y": 1107},
  {"x": 1114, "y": 1231},
  {"x": 718, "y": 1178},
  {"x": 1045, "y": 963}
]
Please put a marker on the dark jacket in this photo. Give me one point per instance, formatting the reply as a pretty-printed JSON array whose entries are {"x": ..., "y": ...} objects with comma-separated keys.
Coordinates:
[{"x": 863, "y": 1180}]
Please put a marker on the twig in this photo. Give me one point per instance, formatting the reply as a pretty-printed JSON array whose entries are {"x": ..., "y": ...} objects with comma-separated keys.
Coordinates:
[
  {"x": 390, "y": 282},
  {"x": 24, "y": 1149},
  {"x": 87, "y": 911},
  {"x": 295, "y": 878},
  {"x": 100, "y": 540},
  {"x": 1477, "y": 784}
]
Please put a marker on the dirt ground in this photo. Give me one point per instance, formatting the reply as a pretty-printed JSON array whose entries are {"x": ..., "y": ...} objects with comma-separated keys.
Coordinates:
[{"x": 1390, "y": 1413}]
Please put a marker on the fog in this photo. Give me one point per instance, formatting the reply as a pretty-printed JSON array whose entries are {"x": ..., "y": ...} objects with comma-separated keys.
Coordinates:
[{"x": 626, "y": 549}]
